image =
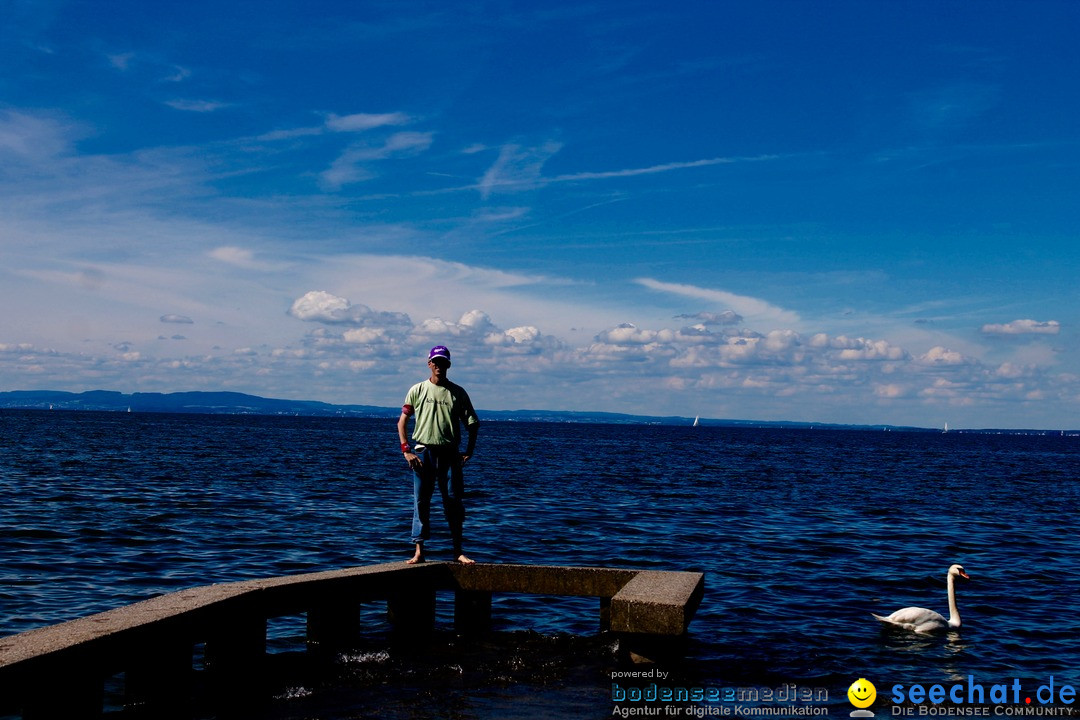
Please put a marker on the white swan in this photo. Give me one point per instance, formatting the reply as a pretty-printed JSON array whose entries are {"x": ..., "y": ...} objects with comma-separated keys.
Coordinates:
[{"x": 921, "y": 620}]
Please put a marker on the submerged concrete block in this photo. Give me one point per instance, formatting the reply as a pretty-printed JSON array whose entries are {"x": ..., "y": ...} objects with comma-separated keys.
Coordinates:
[
  {"x": 62, "y": 692},
  {"x": 411, "y": 613},
  {"x": 472, "y": 611},
  {"x": 158, "y": 678},
  {"x": 541, "y": 579},
  {"x": 235, "y": 657},
  {"x": 657, "y": 603},
  {"x": 59, "y": 670},
  {"x": 333, "y": 624}
]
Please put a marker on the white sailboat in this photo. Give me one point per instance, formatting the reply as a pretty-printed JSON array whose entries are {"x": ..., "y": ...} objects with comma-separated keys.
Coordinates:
[
  {"x": 697, "y": 420},
  {"x": 946, "y": 429}
]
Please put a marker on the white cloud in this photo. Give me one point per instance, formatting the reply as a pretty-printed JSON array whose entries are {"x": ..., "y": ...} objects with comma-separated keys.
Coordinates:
[
  {"x": 953, "y": 105},
  {"x": 367, "y": 336},
  {"x": 942, "y": 356},
  {"x": 360, "y": 122},
  {"x": 179, "y": 319},
  {"x": 350, "y": 167},
  {"x": 526, "y": 338},
  {"x": 477, "y": 321},
  {"x": 30, "y": 136},
  {"x": 630, "y": 334},
  {"x": 1023, "y": 327},
  {"x": 520, "y": 168},
  {"x": 727, "y": 317},
  {"x": 320, "y": 306},
  {"x": 121, "y": 61},
  {"x": 355, "y": 123},
  {"x": 863, "y": 349},
  {"x": 243, "y": 258},
  {"x": 197, "y": 106},
  {"x": 233, "y": 255},
  {"x": 890, "y": 391},
  {"x": 665, "y": 167},
  {"x": 1012, "y": 371},
  {"x": 517, "y": 168},
  {"x": 752, "y": 308},
  {"x": 291, "y": 133},
  {"x": 346, "y": 170},
  {"x": 323, "y": 307},
  {"x": 177, "y": 74},
  {"x": 698, "y": 347},
  {"x": 475, "y": 324},
  {"x": 449, "y": 289}
]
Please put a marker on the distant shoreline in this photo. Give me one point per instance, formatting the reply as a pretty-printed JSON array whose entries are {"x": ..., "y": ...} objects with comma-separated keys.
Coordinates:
[{"x": 234, "y": 403}]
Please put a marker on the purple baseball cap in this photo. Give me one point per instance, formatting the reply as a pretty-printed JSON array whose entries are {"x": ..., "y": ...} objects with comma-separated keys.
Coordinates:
[{"x": 439, "y": 351}]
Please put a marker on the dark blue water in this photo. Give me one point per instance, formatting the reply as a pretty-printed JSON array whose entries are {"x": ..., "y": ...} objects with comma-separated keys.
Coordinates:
[{"x": 801, "y": 535}]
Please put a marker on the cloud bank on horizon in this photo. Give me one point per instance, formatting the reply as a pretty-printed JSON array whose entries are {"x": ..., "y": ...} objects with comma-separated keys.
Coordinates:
[{"x": 701, "y": 210}]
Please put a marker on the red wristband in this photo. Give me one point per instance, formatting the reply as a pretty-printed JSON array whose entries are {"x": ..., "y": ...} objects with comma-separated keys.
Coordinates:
[{"x": 405, "y": 447}]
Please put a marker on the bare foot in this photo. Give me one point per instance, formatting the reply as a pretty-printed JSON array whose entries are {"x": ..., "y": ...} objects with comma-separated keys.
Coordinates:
[
  {"x": 417, "y": 558},
  {"x": 465, "y": 559}
]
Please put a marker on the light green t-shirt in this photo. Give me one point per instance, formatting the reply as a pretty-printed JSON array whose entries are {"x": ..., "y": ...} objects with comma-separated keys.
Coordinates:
[{"x": 438, "y": 411}]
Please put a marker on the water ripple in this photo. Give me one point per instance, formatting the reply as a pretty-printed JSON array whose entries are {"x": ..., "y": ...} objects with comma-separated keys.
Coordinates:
[{"x": 801, "y": 534}]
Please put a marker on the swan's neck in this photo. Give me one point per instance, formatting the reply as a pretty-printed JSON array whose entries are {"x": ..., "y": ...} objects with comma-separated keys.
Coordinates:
[{"x": 954, "y": 612}]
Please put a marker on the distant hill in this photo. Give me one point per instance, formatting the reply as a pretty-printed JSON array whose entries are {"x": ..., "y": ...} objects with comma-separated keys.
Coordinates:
[{"x": 233, "y": 403}]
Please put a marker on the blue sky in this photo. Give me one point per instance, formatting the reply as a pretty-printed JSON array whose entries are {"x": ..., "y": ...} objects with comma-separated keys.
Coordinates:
[{"x": 855, "y": 212}]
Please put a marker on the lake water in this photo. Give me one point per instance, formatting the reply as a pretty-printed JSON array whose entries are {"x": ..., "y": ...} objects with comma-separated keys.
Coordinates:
[{"x": 801, "y": 533}]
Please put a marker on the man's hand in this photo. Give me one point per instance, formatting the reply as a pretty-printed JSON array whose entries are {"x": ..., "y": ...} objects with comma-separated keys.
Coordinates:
[{"x": 413, "y": 460}]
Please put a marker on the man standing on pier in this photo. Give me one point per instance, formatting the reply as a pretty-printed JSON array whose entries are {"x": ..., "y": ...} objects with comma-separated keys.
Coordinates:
[{"x": 440, "y": 408}]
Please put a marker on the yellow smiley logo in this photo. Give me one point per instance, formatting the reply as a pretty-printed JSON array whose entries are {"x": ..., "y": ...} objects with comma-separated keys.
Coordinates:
[{"x": 862, "y": 693}]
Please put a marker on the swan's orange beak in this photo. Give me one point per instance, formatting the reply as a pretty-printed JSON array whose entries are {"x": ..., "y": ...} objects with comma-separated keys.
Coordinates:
[{"x": 965, "y": 575}]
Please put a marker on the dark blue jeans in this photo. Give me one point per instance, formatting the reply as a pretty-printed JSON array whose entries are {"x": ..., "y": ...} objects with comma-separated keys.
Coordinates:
[{"x": 440, "y": 464}]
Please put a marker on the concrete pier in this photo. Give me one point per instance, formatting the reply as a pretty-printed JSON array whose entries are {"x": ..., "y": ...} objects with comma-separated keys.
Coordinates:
[{"x": 59, "y": 671}]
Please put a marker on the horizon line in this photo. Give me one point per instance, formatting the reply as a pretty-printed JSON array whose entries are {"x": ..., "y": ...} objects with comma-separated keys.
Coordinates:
[{"x": 801, "y": 424}]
